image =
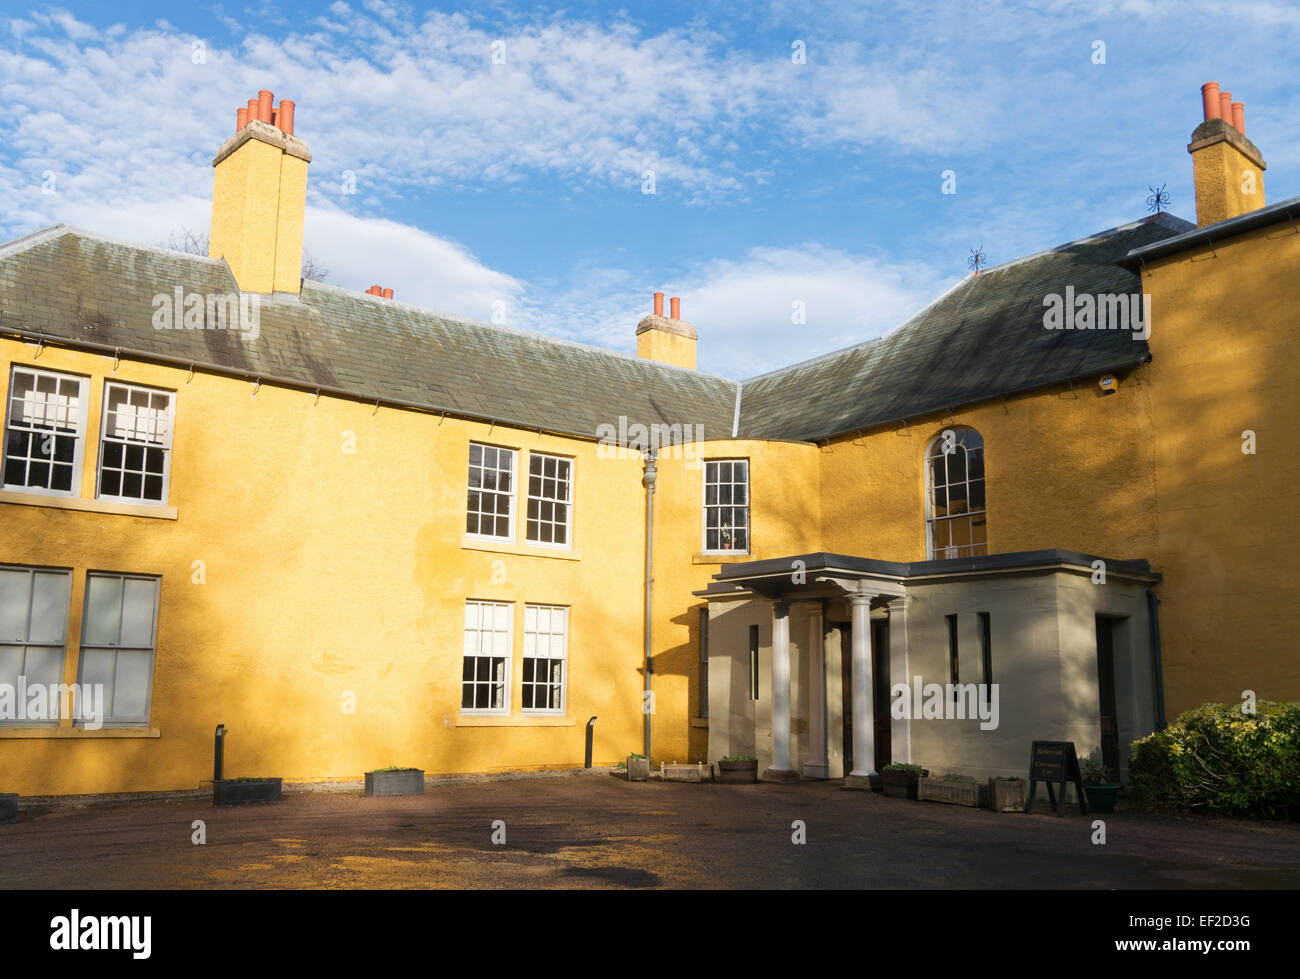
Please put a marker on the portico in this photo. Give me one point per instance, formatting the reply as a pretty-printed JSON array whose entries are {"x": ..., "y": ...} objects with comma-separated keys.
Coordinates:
[{"x": 807, "y": 655}]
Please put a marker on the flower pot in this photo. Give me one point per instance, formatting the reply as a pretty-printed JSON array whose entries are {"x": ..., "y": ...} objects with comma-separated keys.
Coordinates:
[
  {"x": 1101, "y": 798},
  {"x": 405, "y": 781},
  {"x": 877, "y": 783},
  {"x": 8, "y": 807},
  {"x": 1008, "y": 796},
  {"x": 235, "y": 792},
  {"x": 738, "y": 772},
  {"x": 902, "y": 785},
  {"x": 638, "y": 769}
]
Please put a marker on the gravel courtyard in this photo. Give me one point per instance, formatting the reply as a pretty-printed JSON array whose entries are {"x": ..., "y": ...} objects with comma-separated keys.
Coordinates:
[{"x": 595, "y": 830}]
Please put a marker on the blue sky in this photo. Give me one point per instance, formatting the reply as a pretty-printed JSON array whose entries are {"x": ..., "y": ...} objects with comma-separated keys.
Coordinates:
[{"x": 519, "y": 186}]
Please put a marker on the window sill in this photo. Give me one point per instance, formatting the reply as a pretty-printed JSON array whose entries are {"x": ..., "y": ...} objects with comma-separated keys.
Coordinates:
[
  {"x": 77, "y": 732},
  {"x": 721, "y": 557},
  {"x": 525, "y": 550},
  {"x": 514, "y": 720},
  {"x": 89, "y": 506}
]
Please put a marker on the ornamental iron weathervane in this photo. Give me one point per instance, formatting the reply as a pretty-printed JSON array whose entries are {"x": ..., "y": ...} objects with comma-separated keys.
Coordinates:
[
  {"x": 1157, "y": 200},
  {"x": 976, "y": 260}
]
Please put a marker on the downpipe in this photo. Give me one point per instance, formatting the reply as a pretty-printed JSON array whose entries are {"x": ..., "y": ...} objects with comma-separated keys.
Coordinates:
[{"x": 648, "y": 481}]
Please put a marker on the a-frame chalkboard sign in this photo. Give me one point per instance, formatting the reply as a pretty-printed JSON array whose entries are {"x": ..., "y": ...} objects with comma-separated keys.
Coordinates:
[{"x": 1055, "y": 764}]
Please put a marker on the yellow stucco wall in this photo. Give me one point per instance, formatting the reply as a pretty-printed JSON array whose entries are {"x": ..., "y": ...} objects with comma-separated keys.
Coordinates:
[
  {"x": 1223, "y": 341},
  {"x": 1064, "y": 468},
  {"x": 327, "y": 572}
]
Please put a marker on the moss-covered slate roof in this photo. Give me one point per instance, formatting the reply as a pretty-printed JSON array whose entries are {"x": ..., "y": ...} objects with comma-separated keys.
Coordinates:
[{"x": 983, "y": 339}]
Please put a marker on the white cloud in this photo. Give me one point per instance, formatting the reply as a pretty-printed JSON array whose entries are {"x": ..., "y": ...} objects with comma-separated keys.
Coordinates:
[
  {"x": 421, "y": 268},
  {"x": 744, "y": 308}
]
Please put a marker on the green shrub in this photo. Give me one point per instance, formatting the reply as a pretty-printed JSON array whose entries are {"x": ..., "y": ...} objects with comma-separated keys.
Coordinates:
[
  {"x": 901, "y": 767},
  {"x": 739, "y": 758},
  {"x": 1217, "y": 759}
]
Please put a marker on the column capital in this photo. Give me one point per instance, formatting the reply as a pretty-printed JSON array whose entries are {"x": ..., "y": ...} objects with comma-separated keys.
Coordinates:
[
  {"x": 861, "y": 598},
  {"x": 899, "y": 604},
  {"x": 779, "y": 606}
]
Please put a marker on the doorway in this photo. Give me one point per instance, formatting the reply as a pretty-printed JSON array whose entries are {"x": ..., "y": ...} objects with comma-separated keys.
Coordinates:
[{"x": 1106, "y": 627}]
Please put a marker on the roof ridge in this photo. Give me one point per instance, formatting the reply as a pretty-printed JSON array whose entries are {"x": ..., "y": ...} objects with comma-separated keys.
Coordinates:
[{"x": 58, "y": 230}]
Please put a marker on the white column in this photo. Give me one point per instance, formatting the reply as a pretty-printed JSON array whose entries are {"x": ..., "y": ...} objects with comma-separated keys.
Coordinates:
[
  {"x": 781, "y": 770},
  {"x": 900, "y": 733},
  {"x": 864, "y": 759},
  {"x": 816, "y": 766}
]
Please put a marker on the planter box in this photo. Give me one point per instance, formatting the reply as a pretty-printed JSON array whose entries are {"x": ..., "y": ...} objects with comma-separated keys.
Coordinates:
[
  {"x": 407, "y": 781},
  {"x": 1007, "y": 796},
  {"x": 901, "y": 785},
  {"x": 231, "y": 793},
  {"x": 8, "y": 807},
  {"x": 738, "y": 772},
  {"x": 681, "y": 773},
  {"x": 1101, "y": 798},
  {"x": 954, "y": 793},
  {"x": 638, "y": 769}
]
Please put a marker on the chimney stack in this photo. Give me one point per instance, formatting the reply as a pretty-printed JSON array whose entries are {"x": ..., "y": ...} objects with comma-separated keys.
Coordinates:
[
  {"x": 259, "y": 198},
  {"x": 1227, "y": 168},
  {"x": 670, "y": 340}
]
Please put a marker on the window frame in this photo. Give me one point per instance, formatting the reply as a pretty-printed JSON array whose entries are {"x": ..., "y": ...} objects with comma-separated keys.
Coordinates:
[
  {"x": 79, "y": 452},
  {"x": 527, "y": 497},
  {"x": 705, "y": 506},
  {"x": 512, "y": 495},
  {"x": 524, "y": 682},
  {"x": 508, "y": 676},
  {"x": 108, "y": 719},
  {"x": 166, "y": 448},
  {"x": 25, "y": 643},
  {"x": 931, "y": 520}
]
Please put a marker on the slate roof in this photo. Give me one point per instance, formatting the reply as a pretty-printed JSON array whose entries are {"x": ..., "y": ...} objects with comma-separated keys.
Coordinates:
[
  {"x": 984, "y": 338},
  {"x": 80, "y": 287}
]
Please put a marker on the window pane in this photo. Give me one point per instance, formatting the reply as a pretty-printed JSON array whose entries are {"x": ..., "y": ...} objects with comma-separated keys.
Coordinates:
[
  {"x": 44, "y": 664},
  {"x": 15, "y": 593},
  {"x": 103, "y": 610},
  {"x": 50, "y": 602},
  {"x": 138, "y": 612},
  {"x": 11, "y": 666},
  {"x": 131, "y": 685}
]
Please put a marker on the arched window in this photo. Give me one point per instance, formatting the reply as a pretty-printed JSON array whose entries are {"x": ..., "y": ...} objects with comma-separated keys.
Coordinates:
[{"x": 956, "y": 524}]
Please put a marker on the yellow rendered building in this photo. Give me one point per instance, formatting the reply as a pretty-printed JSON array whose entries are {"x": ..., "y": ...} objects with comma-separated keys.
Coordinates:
[{"x": 359, "y": 533}]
